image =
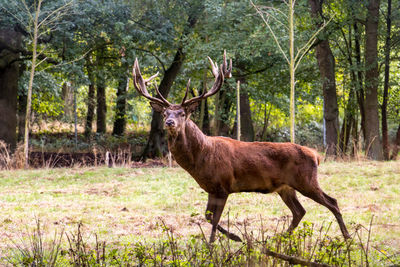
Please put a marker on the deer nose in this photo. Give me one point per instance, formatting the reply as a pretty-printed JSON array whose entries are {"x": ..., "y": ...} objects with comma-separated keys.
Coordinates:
[{"x": 169, "y": 122}]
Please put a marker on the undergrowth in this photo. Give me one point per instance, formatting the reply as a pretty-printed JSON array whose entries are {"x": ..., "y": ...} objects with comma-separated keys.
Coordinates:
[{"x": 309, "y": 245}]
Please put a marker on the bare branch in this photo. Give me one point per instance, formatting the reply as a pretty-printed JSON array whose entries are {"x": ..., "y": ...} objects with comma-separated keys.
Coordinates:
[
  {"x": 54, "y": 12},
  {"x": 270, "y": 29},
  {"x": 304, "y": 50}
]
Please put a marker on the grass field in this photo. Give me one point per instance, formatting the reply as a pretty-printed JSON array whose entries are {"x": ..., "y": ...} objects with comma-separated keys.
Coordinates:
[{"x": 128, "y": 205}]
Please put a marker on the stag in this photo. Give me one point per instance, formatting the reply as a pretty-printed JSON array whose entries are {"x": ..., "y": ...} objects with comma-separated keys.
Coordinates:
[{"x": 222, "y": 166}]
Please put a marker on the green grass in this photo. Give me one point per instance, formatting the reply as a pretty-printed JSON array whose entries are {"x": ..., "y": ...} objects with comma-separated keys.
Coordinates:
[{"x": 127, "y": 205}]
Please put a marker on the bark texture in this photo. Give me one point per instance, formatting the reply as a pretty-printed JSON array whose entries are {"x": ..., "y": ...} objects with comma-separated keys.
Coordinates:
[
  {"x": 91, "y": 102},
  {"x": 372, "y": 139},
  {"x": 9, "y": 74},
  {"x": 326, "y": 64},
  {"x": 396, "y": 145},
  {"x": 101, "y": 95},
  {"x": 385, "y": 138},
  {"x": 120, "y": 108}
]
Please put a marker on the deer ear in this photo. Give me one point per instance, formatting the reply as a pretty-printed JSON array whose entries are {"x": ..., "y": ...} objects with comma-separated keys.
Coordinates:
[
  {"x": 157, "y": 107},
  {"x": 191, "y": 108}
]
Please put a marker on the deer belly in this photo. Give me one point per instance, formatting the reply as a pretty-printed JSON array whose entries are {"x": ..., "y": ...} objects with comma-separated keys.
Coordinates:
[{"x": 258, "y": 184}]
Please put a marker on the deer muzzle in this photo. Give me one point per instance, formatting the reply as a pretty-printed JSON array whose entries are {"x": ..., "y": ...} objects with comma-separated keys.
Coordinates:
[{"x": 170, "y": 123}]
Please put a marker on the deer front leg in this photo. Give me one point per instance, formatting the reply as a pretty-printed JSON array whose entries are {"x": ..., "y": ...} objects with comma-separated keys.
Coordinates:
[
  {"x": 215, "y": 207},
  {"x": 288, "y": 196}
]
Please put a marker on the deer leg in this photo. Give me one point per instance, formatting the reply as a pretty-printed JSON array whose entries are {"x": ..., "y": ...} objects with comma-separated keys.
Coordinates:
[
  {"x": 215, "y": 206},
  {"x": 320, "y": 197},
  {"x": 288, "y": 196}
]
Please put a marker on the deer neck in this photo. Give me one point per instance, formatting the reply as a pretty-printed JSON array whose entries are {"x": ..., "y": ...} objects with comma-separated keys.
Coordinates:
[{"x": 187, "y": 145}]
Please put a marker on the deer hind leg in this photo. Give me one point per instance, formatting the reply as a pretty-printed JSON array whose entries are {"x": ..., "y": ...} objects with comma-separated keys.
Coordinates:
[
  {"x": 288, "y": 196},
  {"x": 322, "y": 198},
  {"x": 214, "y": 209}
]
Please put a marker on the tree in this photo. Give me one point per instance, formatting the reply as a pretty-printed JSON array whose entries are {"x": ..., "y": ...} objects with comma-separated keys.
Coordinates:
[
  {"x": 292, "y": 57},
  {"x": 120, "y": 112},
  {"x": 9, "y": 75},
  {"x": 326, "y": 63},
  {"x": 372, "y": 139},
  {"x": 385, "y": 138}
]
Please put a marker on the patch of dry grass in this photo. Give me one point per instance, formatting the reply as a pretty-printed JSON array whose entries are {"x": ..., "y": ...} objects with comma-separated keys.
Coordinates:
[{"x": 127, "y": 205}]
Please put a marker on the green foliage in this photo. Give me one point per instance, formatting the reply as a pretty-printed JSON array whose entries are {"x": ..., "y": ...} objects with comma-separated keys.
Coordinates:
[
  {"x": 307, "y": 245},
  {"x": 108, "y": 35}
]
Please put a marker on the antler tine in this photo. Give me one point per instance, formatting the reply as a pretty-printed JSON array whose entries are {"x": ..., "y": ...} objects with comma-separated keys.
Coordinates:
[
  {"x": 147, "y": 81},
  {"x": 140, "y": 85},
  {"x": 225, "y": 70},
  {"x": 161, "y": 96},
  {"x": 214, "y": 67},
  {"x": 220, "y": 73},
  {"x": 186, "y": 92}
]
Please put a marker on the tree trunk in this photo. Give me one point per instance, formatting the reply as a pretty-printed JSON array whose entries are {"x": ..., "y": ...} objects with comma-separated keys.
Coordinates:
[
  {"x": 101, "y": 95},
  {"x": 9, "y": 74},
  {"x": 91, "y": 102},
  {"x": 326, "y": 64},
  {"x": 263, "y": 135},
  {"x": 247, "y": 129},
  {"x": 396, "y": 145},
  {"x": 349, "y": 117},
  {"x": 224, "y": 111},
  {"x": 22, "y": 99},
  {"x": 68, "y": 97},
  {"x": 359, "y": 86},
  {"x": 372, "y": 139},
  {"x": 385, "y": 138},
  {"x": 120, "y": 108}
]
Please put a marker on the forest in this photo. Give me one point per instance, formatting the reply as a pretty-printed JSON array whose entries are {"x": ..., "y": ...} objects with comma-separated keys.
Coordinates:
[
  {"x": 80, "y": 146},
  {"x": 345, "y": 93}
]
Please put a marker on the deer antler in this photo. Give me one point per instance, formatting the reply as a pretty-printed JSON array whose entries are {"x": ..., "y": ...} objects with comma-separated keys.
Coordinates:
[
  {"x": 141, "y": 86},
  {"x": 220, "y": 73}
]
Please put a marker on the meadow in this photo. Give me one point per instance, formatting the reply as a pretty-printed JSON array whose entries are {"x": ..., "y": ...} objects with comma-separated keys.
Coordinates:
[{"x": 124, "y": 205}]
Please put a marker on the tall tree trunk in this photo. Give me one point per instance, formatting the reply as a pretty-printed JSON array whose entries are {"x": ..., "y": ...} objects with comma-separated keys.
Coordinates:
[
  {"x": 91, "y": 102},
  {"x": 101, "y": 94},
  {"x": 9, "y": 74},
  {"x": 156, "y": 145},
  {"x": 359, "y": 86},
  {"x": 68, "y": 97},
  {"x": 385, "y": 138},
  {"x": 247, "y": 129},
  {"x": 396, "y": 145},
  {"x": 348, "y": 121},
  {"x": 120, "y": 108},
  {"x": 372, "y": 139},
  {"x": 349, "y": 114},
  {"x": 224, "y": 110},
  {"x": 326, "y": 64},
  {"x": 22, "y": 98}
]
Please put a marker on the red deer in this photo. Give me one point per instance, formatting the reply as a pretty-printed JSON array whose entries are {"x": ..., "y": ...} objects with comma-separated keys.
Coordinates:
[{"x": 222, "y": 166}]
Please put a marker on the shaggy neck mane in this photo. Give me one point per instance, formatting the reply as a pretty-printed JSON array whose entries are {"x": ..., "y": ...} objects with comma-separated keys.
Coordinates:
[{"x": 187, "y": 145}]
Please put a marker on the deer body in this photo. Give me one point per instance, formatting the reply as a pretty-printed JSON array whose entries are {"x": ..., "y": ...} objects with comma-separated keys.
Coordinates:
[{"x": 222, "y": 166}]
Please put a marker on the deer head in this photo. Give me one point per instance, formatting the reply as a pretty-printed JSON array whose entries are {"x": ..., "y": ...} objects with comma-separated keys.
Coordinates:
[{"x": 176, "y": 115}]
